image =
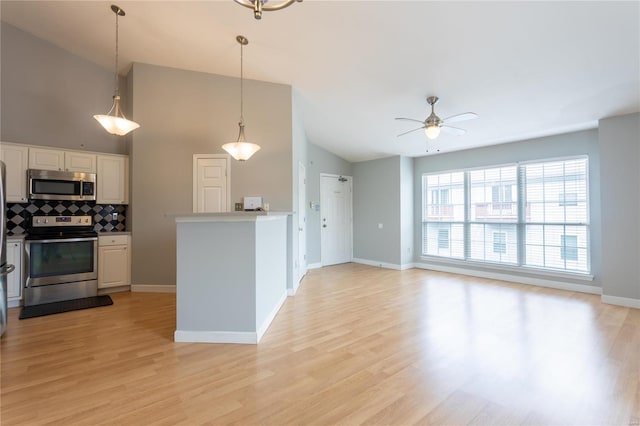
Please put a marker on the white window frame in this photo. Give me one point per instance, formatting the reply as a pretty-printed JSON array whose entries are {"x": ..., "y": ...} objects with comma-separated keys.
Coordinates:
[{"x": 521, "y": 223}]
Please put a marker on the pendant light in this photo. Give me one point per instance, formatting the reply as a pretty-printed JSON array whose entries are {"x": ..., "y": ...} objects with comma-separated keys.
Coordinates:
[
  {"x": 259, "y": 5},
  {"x": 114, "y": 121},
  {"x": 241, "y": 150}
]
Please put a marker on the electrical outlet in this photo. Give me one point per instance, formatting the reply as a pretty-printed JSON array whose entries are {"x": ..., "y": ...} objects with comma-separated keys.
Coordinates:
[
  {"x": 239, "y": 207},
  {"x": 114, "y": 216}
]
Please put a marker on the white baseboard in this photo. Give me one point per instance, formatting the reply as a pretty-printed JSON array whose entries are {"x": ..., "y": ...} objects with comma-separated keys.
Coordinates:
[
  {"x": 267, "y": 321},
  {"x": 621, "y": 301},
  {"x": 540, "y": 282},
  {"x": 13, "y": 304},
  {"x": 241, "y": 337},
  {"x": 378, "y": 264},
  {"x": 150, "y": 288},
  {"x": 291, "y": 291},
  {"x": 314, "y": 266}
]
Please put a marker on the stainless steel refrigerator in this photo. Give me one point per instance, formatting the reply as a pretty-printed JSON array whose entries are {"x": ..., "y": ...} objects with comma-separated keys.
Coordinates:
[{"x": 4, "y": 268}]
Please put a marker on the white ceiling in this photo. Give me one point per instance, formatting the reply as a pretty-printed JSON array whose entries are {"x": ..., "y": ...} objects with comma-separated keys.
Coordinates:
[{"x": 527, "y": 68}]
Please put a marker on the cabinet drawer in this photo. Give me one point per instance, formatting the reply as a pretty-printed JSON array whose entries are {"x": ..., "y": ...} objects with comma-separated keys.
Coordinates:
[{"x": 113, "y": 240}]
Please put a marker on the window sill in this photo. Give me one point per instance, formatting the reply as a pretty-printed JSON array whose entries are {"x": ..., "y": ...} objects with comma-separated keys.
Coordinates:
[{"x": 470, "y": 264}]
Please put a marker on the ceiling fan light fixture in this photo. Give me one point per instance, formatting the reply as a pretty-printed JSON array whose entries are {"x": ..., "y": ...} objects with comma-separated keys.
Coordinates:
[
  {"x": 432, "y": 131},
  {"x": 259, "y": 5},
  {"x": 114, "y": 121}
]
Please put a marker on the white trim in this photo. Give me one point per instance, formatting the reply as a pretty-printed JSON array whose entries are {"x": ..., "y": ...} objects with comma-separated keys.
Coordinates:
[
  {"x": 267, "y": 321},
  {"x": 377, "y": 264},
  {"x": 385, "y": 265},
  {"x": 13, "y": 304},
  {"x": 314, "y": 266},
  {"x": 241, "y": 337},
  {"x": 524, "y": 269},
  {"x": 150, "y": 288},
  {"x": 559, "y": 285},
  {"x": 291, "y": 291},
  {"x": 621, "y": 301}
]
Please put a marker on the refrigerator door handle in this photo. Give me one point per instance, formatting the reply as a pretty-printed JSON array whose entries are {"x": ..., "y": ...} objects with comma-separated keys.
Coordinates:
[{"x": 7, "y": 270}]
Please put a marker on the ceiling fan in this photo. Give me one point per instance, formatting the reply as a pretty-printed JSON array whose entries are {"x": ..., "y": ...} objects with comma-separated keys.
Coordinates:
[{"x": 433, "y": 124}]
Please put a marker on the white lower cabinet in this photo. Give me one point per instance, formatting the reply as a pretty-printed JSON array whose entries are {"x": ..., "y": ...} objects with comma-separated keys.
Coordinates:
[
  {"x": 14, "y": 279},
  {"x": 114, "y": 261}
]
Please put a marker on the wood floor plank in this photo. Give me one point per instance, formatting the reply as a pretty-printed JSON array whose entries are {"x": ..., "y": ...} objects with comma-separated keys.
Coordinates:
[{"x": 356, "y": 345}]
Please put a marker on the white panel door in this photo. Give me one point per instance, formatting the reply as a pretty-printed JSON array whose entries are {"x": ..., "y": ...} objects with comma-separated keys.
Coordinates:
[
  {"x": 46, "y": 159},
  {"x": 302, "y": 221},
  {"x": 210, "y": 185},
  {"x": 336, "y": 219}
]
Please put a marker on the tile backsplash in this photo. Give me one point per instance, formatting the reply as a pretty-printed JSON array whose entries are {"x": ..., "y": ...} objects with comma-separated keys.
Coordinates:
[{"x": 19, "y": 214}]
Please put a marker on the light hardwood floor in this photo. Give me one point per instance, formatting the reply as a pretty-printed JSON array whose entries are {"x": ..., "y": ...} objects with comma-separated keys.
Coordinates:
[{"x": 357, "y": 345}]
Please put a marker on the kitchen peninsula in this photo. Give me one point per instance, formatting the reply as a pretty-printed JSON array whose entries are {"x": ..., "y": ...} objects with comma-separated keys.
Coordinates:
[{"x": 231, "y": 275}]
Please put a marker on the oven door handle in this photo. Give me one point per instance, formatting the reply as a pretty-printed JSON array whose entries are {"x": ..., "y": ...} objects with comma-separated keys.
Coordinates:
[
  {"x": 7, "y": 270},
  {"x": 62, "y": 240}
]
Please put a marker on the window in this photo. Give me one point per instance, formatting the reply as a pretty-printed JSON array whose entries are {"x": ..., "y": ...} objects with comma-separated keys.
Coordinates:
[
  {"x": 531, "y": 215},
  {"x": 569, "y": 249},
  {"x": 443, "y": 215},
  {"x": 568, "y": 199},
  {"x": 499, "y": 242},
  {"x": 443, "y": 238}
]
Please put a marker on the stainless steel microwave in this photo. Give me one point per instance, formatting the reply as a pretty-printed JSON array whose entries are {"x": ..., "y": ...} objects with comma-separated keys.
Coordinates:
[{"x": 55, "y": 185}]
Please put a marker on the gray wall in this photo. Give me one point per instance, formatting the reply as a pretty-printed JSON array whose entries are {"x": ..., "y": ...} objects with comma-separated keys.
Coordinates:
[
  {"x": 565, "y": 145},
  {"x": 383, "y": 194},
  {"x": 319, "y": 161},
  {"x": 376, "y": 200},
  {"x": 619, "y": 159},
  {"x": 184, "y": 113},
  {"x": 49, "y": 96}
]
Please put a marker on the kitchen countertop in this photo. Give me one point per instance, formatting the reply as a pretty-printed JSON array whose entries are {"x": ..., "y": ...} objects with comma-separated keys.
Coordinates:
[
  {"x": 228, "y": 216},
  {"x": 15, "y": 237},
  {"x": 108, "y": 233}
]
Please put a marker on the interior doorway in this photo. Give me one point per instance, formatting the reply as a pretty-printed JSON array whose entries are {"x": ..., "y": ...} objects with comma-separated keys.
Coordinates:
[
  {"x": 336, "y": 219},
  {"x": 211, "y": 193}
]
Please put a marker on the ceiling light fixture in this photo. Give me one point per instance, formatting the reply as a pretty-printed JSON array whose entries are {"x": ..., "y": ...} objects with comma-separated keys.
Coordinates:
[
  {"x": 114, "y": 121},
  {"x": 432, "y": 131},
  {"x": 259, "y": 5},
  {"x": 241, "y": 150}
]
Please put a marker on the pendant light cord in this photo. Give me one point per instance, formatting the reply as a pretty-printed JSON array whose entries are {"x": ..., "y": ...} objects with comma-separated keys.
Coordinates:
[
  {"x": 116, "y": 70},
  {"x": 241, "y": 85}
]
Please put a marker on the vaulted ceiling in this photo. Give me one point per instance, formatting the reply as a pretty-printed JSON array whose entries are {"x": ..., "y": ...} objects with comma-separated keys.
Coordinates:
[{"x": 527, "y": 68}]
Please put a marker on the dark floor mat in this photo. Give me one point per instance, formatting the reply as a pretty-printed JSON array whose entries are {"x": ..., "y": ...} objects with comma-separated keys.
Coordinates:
[{"x": 64, "y": 306}]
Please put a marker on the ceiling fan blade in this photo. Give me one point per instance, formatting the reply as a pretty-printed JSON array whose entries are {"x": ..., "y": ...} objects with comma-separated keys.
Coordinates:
[
  {"x": 410, "y": 131},
  {"x": 453, "y": 130},
  {"x": 409, "y": 119},
  {"x": 461, "y": 117}
]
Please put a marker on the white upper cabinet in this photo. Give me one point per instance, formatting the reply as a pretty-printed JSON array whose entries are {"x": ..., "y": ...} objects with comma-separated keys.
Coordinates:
[
  {"x": 113, "y": 179},
  {"x": 16, "y": 160},
  {"x": 79, "y": 162},
  {"x": 46, "y": 159},
  {"x": 53, "y": 159}
]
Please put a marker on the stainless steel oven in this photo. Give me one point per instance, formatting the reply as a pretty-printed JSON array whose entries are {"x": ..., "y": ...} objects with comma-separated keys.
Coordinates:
[{"x": 61, "y": 259}]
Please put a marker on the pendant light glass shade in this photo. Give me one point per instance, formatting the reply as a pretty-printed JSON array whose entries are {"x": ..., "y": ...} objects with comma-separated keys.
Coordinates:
[
  {"x": 114, "y": 121},
  {"x": 241, "y": 150}
]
